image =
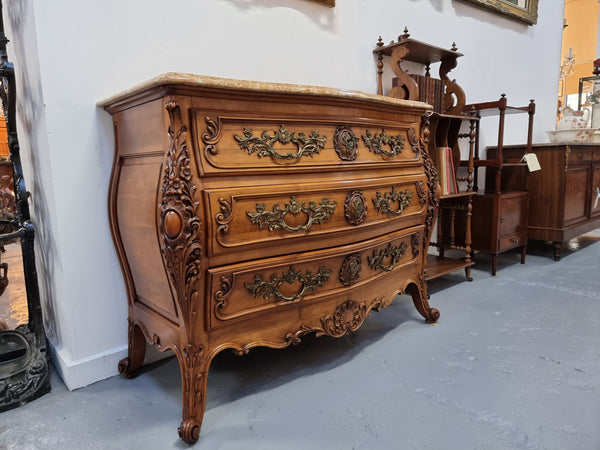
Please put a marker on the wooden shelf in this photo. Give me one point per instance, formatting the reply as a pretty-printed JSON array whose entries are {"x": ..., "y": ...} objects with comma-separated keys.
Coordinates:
[
  {"x": 457, "y": 195},
  {"x": 438, "y": 266}
]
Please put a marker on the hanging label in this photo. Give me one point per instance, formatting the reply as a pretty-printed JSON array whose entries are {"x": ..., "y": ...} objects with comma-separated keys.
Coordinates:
[
  {"x": 532, "y": 162},
  {"x": 597, "y": 196}
]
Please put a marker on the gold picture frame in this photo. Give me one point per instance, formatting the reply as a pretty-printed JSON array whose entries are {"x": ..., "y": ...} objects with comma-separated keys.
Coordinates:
[
  {"x": 326, "y": 2},
  {"x": 522, "y": 10}
]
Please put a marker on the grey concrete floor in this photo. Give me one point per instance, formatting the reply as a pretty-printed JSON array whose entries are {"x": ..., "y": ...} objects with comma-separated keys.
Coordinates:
[{"x": 514, "y": 363}]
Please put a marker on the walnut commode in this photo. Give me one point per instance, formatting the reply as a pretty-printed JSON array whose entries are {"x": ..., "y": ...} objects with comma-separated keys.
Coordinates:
[{"x": 249, "y": 214}]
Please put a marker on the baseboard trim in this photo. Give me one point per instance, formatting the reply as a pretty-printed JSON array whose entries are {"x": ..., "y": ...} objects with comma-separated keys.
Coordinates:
[{"x": 98, "y": 367}]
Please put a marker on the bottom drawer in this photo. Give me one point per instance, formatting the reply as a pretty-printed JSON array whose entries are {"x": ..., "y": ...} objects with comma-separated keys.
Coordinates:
[
  {"x": 256, "y": 287},
  {"x": 512, "y": 241}
]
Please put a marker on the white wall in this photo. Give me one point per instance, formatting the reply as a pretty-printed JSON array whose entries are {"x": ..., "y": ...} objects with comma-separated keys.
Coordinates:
[{"x": 89, "y": 50}]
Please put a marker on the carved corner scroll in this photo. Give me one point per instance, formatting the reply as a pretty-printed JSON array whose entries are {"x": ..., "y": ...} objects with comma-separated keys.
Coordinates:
[
  {"x": 377, "y": 143},
  {"x": 384, "y": 203},
  {"x": 309, "y": 282},
  {"x": 212, "y": 135},
  {"x": 179, "y": 226},
  {"x": 275, "y": 219},
  {"x": 264, "y": 145}
]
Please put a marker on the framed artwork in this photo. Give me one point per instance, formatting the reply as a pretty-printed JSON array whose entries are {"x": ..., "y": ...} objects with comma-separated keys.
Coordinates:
[
  {"x": 522, "y": 10},
  {"x": 326, "y": 2}
]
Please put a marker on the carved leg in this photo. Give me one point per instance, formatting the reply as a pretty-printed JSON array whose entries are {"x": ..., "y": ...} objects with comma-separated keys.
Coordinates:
[
  {"x": 523, "y": 253},
  {"x": 557, "y": 250},
  {"x": 194, "y": 371},
  {"x": 494, "y": 264},
  {"x": 130, "y": 367},
  {"x": 419, "y": 296}
]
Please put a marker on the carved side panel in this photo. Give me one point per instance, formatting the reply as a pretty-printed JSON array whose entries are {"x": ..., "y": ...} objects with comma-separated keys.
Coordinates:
[
  {"x": 179, "y": 225},
  {"x": 433, "y": 198}
]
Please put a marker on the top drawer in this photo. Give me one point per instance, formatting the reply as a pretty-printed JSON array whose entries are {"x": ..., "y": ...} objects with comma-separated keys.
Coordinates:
[
  {"x": 230, "y": 143},
  {"x": 580, "y": 154}
]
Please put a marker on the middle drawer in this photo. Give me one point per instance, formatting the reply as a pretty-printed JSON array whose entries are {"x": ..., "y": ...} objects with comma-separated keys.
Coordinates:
[{"x": 282, "y": 219}]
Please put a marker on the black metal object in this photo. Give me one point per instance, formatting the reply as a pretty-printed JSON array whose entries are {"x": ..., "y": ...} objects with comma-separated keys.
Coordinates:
[{"x": 24, "y": 368}]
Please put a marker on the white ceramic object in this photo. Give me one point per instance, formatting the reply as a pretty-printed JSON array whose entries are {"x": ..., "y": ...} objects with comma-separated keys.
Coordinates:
[
  {"x": 577, "y": 136},
  {"x": 572, "y": 120}
]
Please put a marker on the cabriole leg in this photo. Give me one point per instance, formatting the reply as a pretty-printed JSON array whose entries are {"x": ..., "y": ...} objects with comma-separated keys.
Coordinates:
[
  {"x": 419, "y": 296},
  {"x": 130, "y": 367},
  {"x": 194, "y": 371}
]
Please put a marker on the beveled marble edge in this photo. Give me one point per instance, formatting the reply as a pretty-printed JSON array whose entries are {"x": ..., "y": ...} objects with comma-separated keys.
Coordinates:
[{"x": 185, "y": 79}]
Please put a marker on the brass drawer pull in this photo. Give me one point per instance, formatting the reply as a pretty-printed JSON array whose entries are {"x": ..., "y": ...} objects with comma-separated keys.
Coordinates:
[
  {"x": 377, "y": 141},
  {"x": 272, "y": 287},
  {"x": 395, "y": 253},
  {"x": 275, "y": 219},
  {"x": 383, "y": 203},
  {"x": 263, "y": 145}
]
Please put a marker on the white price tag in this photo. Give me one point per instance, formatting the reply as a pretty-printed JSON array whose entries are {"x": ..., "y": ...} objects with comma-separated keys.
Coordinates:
[
  {"x": 597, "y": 196},
  {"x": 532, "y": 162}
]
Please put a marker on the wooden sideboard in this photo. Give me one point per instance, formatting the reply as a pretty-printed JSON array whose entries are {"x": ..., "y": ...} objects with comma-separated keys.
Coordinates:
[
  {"x": 249, "y": 214},
  {"x": 563, "y": 195}
]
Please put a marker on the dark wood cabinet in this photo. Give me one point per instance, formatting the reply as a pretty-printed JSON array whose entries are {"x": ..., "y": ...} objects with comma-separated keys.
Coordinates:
[{"x": 564, "y": 195}]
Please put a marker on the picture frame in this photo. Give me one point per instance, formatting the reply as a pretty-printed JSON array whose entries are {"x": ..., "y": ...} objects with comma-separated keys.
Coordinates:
[
  {"x": 521, "y": 10},
  {"x": 330, "y": 3}
]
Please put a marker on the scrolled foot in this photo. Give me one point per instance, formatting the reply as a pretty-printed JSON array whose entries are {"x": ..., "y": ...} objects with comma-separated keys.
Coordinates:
[
  {"x": 126, "y": 369},
  {"x": 189, "y": 431},
  {"x": 433, "y": 315}
]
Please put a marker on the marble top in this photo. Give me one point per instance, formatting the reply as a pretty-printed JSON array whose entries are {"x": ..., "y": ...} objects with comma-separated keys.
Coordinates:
[{"x": 190, "y": 80}]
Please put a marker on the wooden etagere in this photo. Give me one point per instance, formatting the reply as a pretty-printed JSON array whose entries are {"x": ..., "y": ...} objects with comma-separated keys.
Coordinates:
[{"x": 447, "y": 126}]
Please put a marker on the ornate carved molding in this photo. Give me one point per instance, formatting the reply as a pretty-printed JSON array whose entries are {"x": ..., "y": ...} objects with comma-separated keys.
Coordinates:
[
  {"x": 345, "y": 143},
  {"x": 309, "y": 283},
  {"x": 263, "y": 145},
  {"x": 225, "y": 215},
  {"x": 383, "y": 203},
  {"x": 212, "y": 135},
  {"x": 413, "y": 140},
  {"x": 416, "y": 242},
  {"x": 376, "y": 143},
  {"x": 350, "y": 269},
  {"x": 421, "y": 192},
  {"x": 179, "y": 226},
  {"x": 355, "y": 207},
  {"x": 392, "y": 252},
  {"x": 275, "y": 219}
]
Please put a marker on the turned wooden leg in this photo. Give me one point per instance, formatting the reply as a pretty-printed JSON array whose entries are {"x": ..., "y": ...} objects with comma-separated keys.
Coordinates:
[
  {"x": 523, "y": 253},
  {"x": 194, "y": 371},
  {"x": 557, "y": 250},
  {"x": 419, "y": 296},
  {"x": 494, "y": 264},
  {"x": 130, "y": 367}
]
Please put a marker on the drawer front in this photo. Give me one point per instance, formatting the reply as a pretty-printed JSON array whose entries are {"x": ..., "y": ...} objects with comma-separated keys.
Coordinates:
[
  {"x": 512, "y": 241},
  {"x": 243, "y": 290},
  {"x": 287, "y": 218},
  {"x": 230, "y": 143},
  {"x": 579, "y": 154}
]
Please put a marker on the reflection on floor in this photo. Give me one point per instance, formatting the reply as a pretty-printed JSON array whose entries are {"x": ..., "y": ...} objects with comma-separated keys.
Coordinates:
[
  {"x": 13, "y": 301},
  {"x": 514, "y": 363}
]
